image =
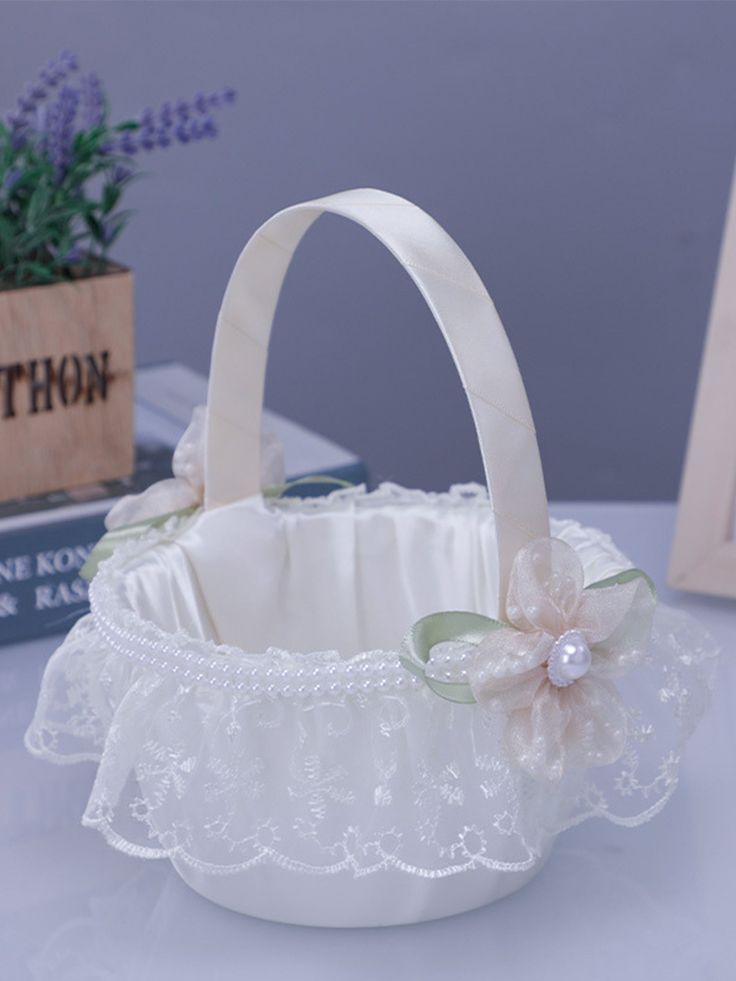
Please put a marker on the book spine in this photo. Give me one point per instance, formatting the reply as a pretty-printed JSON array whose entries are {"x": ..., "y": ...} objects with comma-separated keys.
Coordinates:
[{"x": 41, "y": 591}]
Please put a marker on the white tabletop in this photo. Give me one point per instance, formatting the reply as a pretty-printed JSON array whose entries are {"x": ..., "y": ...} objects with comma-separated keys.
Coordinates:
[{"x": 658, "y": 901}]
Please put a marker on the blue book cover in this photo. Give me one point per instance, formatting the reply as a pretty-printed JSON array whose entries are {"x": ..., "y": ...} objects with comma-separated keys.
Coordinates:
[{"x": 45, "y": 540}]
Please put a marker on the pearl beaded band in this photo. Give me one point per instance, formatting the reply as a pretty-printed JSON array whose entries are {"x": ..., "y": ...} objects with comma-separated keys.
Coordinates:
[
  {"x": 272, "y": 674},
  {"x": 449, "y": 661}
]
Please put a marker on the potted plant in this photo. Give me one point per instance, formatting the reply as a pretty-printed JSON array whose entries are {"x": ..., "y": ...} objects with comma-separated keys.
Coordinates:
[{"x": 66, "y": 310}]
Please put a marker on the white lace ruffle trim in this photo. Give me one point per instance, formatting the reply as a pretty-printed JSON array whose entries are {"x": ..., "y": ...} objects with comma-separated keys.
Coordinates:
[{"x": 328, "y": 765}]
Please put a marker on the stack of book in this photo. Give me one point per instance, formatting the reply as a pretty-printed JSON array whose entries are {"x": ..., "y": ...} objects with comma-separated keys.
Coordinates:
[{"x": 45, "y": 540}]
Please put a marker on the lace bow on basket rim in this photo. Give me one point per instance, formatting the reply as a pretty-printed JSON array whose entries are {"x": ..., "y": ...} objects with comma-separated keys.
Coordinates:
[{"x": 548, "y": 673}]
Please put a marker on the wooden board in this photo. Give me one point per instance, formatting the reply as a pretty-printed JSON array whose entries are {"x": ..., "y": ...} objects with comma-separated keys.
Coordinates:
[
  {"x": 66, "y": 384},
  {"x": 703, "y": 557}
]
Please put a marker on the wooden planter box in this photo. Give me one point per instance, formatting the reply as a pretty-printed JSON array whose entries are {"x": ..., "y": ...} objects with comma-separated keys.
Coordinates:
[{"x": 66, "y": 384}]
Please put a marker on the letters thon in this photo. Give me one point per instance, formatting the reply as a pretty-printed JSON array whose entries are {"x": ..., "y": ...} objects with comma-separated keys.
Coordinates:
[{"x": 42, "y": 384}]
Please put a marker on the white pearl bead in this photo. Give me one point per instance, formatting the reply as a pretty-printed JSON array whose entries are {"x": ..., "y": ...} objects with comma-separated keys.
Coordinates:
[
  {"x": 448, "y": 655},
  {"x": 570, "y": 659}
]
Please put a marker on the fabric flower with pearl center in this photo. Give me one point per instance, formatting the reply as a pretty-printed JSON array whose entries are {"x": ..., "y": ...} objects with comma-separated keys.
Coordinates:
[{"x": 548, "y": 671}]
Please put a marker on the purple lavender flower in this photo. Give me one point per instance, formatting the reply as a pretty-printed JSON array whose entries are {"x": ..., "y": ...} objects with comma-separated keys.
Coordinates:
[
  {"x": 178, "y": 123},
  {"x": 68, "y": 61},
  {"x": 26, "y": 103},
  {"x": 66, "y": 123},
  {"x": 128, "y": 145},
  {"x": 50, "y": 76},
  {"x": 148, "y": 138},
  {"x": 60, "y": 128},
  {"x": 93, "y": 101},
  {"x": 223, "y": 98},
  {"x": 59, "y": 69},
  {"x": 30, "y": 117},
  {"x": 196, "y": 130},
  {"x": 18, "y": 125},
  {"x": 52, "y": 116},
  {"x": 178, "y": 119},
  {"x": 166, "y": 115},
  {"x": 209, "y": 128},
  {"x": 68, "y": 105},
  {"x": 40, "y": 118}
]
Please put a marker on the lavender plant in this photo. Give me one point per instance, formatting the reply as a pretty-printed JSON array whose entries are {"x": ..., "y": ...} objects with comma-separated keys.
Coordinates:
[{"x": 64, "y": 168}]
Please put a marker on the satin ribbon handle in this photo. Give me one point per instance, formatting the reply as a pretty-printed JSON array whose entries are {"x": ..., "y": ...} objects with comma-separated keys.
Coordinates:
[{"x": 465, "y": 314}]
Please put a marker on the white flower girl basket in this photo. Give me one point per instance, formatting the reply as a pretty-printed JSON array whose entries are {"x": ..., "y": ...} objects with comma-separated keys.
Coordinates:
[{"x": 242, "y": 679}]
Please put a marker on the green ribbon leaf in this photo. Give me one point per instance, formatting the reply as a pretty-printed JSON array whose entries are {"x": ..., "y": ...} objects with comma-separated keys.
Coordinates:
[
  {"x": 280, "y": 489},
  {"x": 469, "y": 628},
  {"x": 621, "y": 578}
]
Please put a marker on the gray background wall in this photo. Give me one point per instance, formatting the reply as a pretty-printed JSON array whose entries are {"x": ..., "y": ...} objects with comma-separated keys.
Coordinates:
[{"x": 579, "y": 152}]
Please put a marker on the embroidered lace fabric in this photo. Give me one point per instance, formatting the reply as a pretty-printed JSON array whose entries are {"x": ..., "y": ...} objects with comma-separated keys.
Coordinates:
[{"x": 322, "y": 764}]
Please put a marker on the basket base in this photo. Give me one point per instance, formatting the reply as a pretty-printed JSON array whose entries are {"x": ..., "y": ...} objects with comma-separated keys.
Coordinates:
[{"x": 383, "y": 899}]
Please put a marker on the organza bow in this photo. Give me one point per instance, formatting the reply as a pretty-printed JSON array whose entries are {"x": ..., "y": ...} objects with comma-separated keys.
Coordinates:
[
  {"x": 548, "y": 672},
  {"x": 186, "y": 488},
  {"x": 177, "y": 496}
]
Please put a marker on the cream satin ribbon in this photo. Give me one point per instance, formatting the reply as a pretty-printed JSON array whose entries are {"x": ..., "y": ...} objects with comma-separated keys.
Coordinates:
[{"x": 465, "y": 314}]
